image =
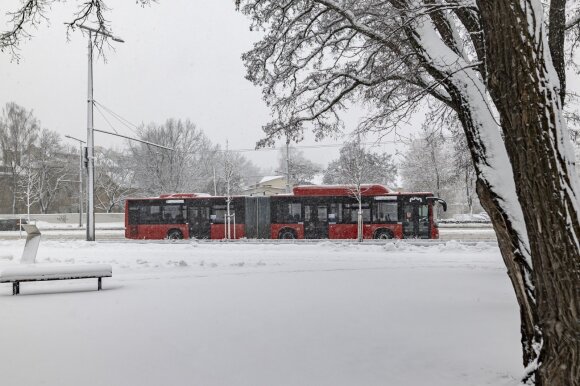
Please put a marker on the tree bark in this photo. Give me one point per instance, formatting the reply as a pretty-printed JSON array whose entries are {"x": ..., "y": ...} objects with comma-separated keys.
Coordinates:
[
  {"x": 466, "y": 100},
  {"x": 527, "y": 96},
  {"x": 513, "y": 249}
]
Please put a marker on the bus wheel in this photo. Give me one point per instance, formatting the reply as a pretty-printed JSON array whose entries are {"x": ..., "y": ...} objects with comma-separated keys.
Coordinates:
[
  {"x": 286, "y": 234},
  {"x": 175, "y": 234},
  {"x": 383, "y": 234}
]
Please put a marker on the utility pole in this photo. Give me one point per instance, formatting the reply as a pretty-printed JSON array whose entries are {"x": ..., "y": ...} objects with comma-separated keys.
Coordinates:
[
  {"x": 287, "y": 165},
  {"x": 91, "y": 133},
  {"x": 228, "y": 173},
  {"x": 80, "y": 178}
]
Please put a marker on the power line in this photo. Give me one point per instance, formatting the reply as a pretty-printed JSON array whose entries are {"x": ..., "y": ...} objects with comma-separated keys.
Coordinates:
[
  {"x": 105, "y": 118},
  {"x": 128, "y": 124},
  {"x": 125, "y": 122}
]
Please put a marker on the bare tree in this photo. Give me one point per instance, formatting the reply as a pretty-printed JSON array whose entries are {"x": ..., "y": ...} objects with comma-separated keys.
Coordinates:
[
  {"x": 18, "y": 132},
  {"x": 463, "y": 169},
  {"x": 114, "y": 181},
  {"x": 32, "y": 13},
  {"x": 355, "y": 168},
  {"x": 229, "y": 172},
  {"x": 53, "y": 168},
  {"x": 165, "y": 171},
  {"x": 301, "y": 170},
  {"x": 428, "y": 164},
  {"x": 27, "y": 187},
  {"x": 379, "y": 168},
  {"x": 243, "y": 173},
  {"x": 495, "y": 66}
]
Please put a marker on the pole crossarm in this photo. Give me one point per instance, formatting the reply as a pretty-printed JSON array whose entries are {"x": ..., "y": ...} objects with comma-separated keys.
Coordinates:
[
  {"x": 134, "y": 139},
  {"x": 100, "y": 32},
  {"x": 76, "y": 139}
]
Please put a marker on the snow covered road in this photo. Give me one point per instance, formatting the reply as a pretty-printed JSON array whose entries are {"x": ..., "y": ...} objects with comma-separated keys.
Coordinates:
[{"x": 237, "y": 314}]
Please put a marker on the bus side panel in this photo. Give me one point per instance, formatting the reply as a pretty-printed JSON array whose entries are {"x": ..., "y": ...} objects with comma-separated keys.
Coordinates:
[
  {"x": 127, "y": 229},
  {"x": 349, "y": 231},
  {"x": 342, "y": 231},
  {"x": 434, "y": 227},
  {"x": 155, "y": 231},
  {"x": 298, "y": 229},
  {"x": 434, "y": 231},
  {"x": 218, "y": 231},
  {"x": 131, "y": 231},
  {"x": 396, "y": 230}
]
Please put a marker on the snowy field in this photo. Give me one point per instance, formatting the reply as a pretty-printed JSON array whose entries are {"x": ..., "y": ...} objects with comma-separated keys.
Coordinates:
[{"x": 249, "y": 314}]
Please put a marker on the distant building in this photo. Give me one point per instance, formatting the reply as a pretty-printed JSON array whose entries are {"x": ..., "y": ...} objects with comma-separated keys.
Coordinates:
[{"x": 267, "y": 186}]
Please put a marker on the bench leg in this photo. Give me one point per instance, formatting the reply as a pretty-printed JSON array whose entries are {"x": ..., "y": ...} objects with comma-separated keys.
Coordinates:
[
  {"x": 99, "y": 285},
  {"x": 15, "y": 288}
]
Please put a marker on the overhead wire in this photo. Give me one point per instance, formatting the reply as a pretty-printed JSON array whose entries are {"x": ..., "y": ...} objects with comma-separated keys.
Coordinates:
[
  {"x": 128, "y": 124},
  {"x": 106, "y": 120}
]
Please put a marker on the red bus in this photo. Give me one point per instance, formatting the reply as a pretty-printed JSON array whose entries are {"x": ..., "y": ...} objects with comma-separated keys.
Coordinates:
[{"x": 310, "y": 212}]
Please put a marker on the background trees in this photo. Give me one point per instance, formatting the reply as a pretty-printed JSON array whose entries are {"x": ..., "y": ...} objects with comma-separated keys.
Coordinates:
[
  {"x": 440, "y": 164},
  {"x": 230, "y": 168},
  {"x": 165, "y": 171},
  {"x": 192, "y": 166},
  {"x": 53, "y": 166},
  {"x": 302, "y": 170},
  {"x": 114, "y": 181},
  {"x": 368, "y": 166},
  {"x": 18, "y": 132},
  {"x": 42, "y": 173}
]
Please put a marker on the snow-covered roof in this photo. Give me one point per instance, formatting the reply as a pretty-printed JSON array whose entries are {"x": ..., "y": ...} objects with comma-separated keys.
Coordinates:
[{"x": 270, "y": 178}]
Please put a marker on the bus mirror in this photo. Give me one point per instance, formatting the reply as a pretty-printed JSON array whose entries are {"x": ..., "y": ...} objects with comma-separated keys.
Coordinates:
[{"x": 440, "y": 201}]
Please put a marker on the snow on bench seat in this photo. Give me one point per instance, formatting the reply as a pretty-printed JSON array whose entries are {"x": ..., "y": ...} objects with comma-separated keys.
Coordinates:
[{"x": 36, "y": 272}]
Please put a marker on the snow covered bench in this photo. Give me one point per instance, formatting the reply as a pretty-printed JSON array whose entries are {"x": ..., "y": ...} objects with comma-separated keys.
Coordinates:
[{"x": 34, "y": 272}]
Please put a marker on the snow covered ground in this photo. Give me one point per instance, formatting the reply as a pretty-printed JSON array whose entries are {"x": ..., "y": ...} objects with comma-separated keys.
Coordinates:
[{"x": 249, "y": 314}]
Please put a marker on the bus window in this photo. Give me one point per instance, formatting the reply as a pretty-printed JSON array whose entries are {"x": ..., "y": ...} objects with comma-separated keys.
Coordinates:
[
  {"x": 335, "y": 213},
  {"x": 133, "y": 213},
  {"x": 384, "y": 212},
  {"x": 150, "y": 214},
  {"x": 220, "y": 213},
  {"x": 288, "y": 213},
  {"x": 173, "y": 214},
  {"x": 424, "y": 213},
  {"x": 366, "y": 212},
  {"x": 322, "y": 213},
  {"x": 350, "y": 213}
]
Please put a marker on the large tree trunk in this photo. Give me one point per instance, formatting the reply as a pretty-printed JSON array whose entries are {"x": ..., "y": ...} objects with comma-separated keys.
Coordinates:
[
  {"x": 513, "y": 246},
  {"x": 497, "y": 193},
  {"x": 522, "y": 85}
]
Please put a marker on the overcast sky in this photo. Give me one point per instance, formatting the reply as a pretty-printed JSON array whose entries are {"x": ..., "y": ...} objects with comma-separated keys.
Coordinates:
[{"x": 181, "y": 59}]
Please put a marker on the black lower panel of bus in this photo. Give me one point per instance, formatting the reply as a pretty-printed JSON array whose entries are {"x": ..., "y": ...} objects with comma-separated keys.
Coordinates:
[
  {"x": 257, "y": 218},
  {"x": 199, "y": 224},
  {"x": 315, "y": 222}
]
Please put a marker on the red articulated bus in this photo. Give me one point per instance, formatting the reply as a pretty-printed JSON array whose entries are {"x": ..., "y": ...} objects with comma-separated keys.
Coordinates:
[{"x": 311, "y": 212}]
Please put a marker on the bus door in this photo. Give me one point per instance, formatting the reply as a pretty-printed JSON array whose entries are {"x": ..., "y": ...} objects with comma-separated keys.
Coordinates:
[
  {"x": 416, "y": 218},
  {"x": 315, "y": 222},
  {"x": 199, "y": 224}
]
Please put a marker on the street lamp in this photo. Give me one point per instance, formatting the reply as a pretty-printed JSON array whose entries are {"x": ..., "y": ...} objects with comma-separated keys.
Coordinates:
[
  {"x": 91, "y": 134},
  {"x": 80, "y": 178}
]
